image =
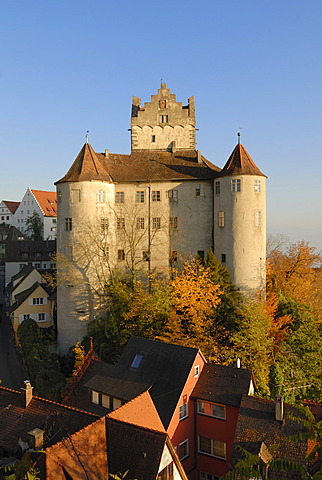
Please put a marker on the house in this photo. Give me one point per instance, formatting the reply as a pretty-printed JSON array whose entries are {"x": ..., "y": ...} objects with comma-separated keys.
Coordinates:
[
  {"x": 264, "y": 428},
  {"x": 198, "y": 403},
  {"x": 40, "y": 253},
  {"x": 152, "y": 209},
  {"x": 68, "y": 443},
  {"x": 22, "y": 281},
  {"x": 7, "y": 211},
  {"x": 137, "y": 428},
  {"x": 45, "y": 205},
  {"x": 35, "y": 303}
]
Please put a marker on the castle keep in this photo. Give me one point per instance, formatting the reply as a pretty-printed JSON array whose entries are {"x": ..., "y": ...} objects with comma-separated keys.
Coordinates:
[{"x": 152, "y": 209}]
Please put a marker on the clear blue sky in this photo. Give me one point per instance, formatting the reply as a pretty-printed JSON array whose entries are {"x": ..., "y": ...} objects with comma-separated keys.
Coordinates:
[{"x": 70, "y": 66}]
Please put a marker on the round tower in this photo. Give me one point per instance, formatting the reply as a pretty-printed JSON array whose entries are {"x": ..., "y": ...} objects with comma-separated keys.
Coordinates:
[
  {"x": 240, "y": 220},
  {"x": 83, "y": 196}
]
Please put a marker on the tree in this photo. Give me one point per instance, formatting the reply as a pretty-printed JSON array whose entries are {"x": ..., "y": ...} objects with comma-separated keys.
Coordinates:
[
  {"x": 194, "y": 298},
  {"x": 35, "y": 228},
  {"x": 297, "y": 274}
]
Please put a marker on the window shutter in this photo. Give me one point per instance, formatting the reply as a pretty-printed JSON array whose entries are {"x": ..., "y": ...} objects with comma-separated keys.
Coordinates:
[
  {"x": 45, "y": 301},
  {"x": 30, "y": 301},
  {"x": 20, "y": 318}
]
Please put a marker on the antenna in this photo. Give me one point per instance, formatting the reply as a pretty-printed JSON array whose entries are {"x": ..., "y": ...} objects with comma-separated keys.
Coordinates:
[{"x": 87, "y": 136}]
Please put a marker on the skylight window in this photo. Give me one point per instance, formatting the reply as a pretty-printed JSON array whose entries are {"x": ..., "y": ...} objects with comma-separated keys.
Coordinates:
[{"x": 137, "y": 360}]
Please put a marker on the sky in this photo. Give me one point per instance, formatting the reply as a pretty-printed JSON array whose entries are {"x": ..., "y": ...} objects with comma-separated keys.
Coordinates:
[{"x": 68, "y": 67}]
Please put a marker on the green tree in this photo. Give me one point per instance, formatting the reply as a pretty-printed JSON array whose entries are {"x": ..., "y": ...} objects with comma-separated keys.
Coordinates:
[{"x": 35, "y": 229}]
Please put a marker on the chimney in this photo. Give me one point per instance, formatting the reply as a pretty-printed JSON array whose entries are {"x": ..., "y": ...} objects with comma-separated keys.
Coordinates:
[
  {"x": 279, "y": 408},
  {"x": 28, "y": 392},
  {"x": 106, "y": 153},
  {"x": 199, "y": 156},
  {"x": 36, "y": 438}
]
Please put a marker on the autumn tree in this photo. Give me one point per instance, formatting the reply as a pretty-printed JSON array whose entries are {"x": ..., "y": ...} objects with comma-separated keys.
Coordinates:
[
  {"x": 194, "y": 298},
  {"x": 296, "y": 273}
]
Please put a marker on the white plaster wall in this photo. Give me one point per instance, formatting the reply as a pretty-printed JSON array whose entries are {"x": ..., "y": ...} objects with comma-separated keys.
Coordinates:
[
  {"x": 167, "y": 458},
  {"x": 240, "y": 239},
  {"x": 183, "y": 135}
]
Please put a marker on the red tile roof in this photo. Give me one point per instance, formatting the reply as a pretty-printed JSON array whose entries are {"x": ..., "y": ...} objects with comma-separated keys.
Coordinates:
[
  {"x": 240, "y": 163},
  {"x": 87, "y": 167},
  {"x": 47, "y": 201},
  {"x": 12, "y": 206},
  {"x": 139, "y": 166},
  {"x": 16, "y": 420},
  {"x": 140, "y": 412}
]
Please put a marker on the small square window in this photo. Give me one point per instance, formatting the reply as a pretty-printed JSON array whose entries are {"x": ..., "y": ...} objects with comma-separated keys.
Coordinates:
[
  {"x": 183, "y": 450},
  {"x": 41, "y": 317},
  {"x": 196, "y": 370},
  {"x": 95, "y": 397},
  {"x": 164, "y": 119},
  {"x": 156, "y": 223},
  {"x": 173, "y": 223},
  {"x": 140, "y": 196},
  {"x": 201, "y": 254},
  {"x": 236, "y": 185},
  {"x": 100, "y": 196},
  {"x": 156, "y": 196},
  {"x": 223, "y": 258},
  {"x": 104, "y": 224},
  {"x": 183, "y": 411},
  {"x": 217, "y": 188},
  {"x": 162, "y": 104},
  {"x": 257, "y": 186},
  {"x": 106, "y": 399},
  {"x": 120, "y": 255},
  {"x": 221, "y": 219},
  {"x": 172, "y": 195},
  {"x": 258, "y": 218},
  {"x": 153, "y": 138},
  {"x": 140, "y": 223},
  {"x": 68, "y": 224},
  {"x": 120, "y": 223},
  {"x": 119, "y": 197},
  {"x": 200, "y": 192}
]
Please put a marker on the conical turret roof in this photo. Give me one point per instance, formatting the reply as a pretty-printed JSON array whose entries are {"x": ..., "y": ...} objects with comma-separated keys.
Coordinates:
[
  {"x": 240, "y": 163},
  {"x": 86, "y": 167}
]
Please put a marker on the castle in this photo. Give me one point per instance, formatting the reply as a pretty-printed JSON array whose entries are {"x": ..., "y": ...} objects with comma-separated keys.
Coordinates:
[{"x": 152, "y": 209}]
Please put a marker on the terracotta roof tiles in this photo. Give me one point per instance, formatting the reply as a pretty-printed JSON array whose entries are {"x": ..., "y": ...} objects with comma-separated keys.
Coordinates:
[
  {"x": 240, "y": 163},
  {"x": 47, "y": 201},
  {"x": 12, "y": 206}
]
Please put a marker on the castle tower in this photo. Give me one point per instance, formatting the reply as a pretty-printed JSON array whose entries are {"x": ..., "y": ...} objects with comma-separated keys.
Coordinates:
[
  {"x": 240, "y": 220},
  {"x": 80, "y": 268},
  {"x": 163, "y": 124}
]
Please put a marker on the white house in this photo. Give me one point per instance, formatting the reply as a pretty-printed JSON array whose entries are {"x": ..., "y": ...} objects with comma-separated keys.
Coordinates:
[{"x": 7, "y": 211}]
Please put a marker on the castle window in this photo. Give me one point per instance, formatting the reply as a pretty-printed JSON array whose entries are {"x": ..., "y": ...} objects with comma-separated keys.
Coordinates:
[
  {"x": 164, "y": 118},
  {"x": 120, "y": 223},
  {"x": 76, "y": 195},
  {"x": 104, "y": 224},
  {"x": 100, "y": 196},
  {"x": 200, "y": 190},
  {"x": 162, "y": 104},
  {"x": 120, "y": 255},
  {"x": 153, "y": 138},
  {"x": 223, "y": 258},
  {"x": 217, "y": 188},
  {"x": 257, "y": 186},
  {"x": 258, "y": 218},
  {"x": 140, "y": 223},
  {"x": 221, "y": 219},
  {"x": 156, "y": 223},
  {"x": 68, "y": 224},
  {"x": 236, "y": 185},
  {"x": 119, "y": 197},
  {"x": 172, "y": 195},
  {"x": 173, "y": 223},
  {"x": 156, "y": 196},
  {"x": 215, "y": 448},
  {"x": 140, "y": 196}
]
